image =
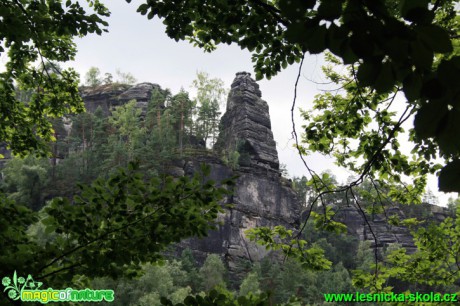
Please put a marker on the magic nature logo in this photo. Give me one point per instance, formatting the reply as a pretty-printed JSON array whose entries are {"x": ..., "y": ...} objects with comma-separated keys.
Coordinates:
[{"x": 28, "y": 290}]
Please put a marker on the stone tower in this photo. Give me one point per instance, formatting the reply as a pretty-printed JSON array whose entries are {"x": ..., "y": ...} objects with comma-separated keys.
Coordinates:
[
  {"x": 246, "y": 128},
  {"x": 261, "y": 196}
]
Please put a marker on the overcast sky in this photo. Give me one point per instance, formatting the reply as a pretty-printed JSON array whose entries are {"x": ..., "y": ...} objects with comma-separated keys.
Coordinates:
[{"x": 140, "y": 46}]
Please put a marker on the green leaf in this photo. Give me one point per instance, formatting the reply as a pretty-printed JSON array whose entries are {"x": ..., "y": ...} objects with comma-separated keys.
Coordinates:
[
  {"x": 429, "y": 119},
  {"x": 368, "y": 72},
  {"x": 411, "y": 8},
  {"x": 347, "y": 54},
  {"x": 362, "y": 45},
  {"x": 316, "y": 42},
  {"x": 449, "y": 179},
  {"x": 435, "y": 37},
  {"x": 295, "y": 9},
  {"x": 335, "y": 38},
  {"x": 385, "y": 79},
  {"x": 330, "y": 9},
  {"x": 412, "y": 86},
  {"x": 448, "y": 72},
  {"x": 447, "y": 135},
  {"x": 422, "y": 56}
]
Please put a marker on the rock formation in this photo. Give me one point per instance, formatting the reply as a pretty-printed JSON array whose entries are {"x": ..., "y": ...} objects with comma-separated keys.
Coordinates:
[
  {"x": 260, "y": 198},
  {"x": 385, "y": 233},
  {"x": 380, "y": 233},
  {"x": 246, "y": 127},
  {"x": 111, "y": 95}
]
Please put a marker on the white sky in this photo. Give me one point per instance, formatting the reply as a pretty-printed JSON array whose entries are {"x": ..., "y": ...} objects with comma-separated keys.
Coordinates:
[{"x": 140, "y": 46}]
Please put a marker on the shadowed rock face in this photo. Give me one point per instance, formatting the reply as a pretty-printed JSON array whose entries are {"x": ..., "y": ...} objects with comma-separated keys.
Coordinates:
[
  {"x": 260, "y": 197},
  {"x": 111, "y": 95},
  {"x": 246, "y": 127},
  {"x": 377, "y": 230}
]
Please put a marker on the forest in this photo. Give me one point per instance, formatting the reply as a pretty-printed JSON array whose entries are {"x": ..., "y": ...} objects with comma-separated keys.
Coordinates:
[{"x": 88, "y": 198}]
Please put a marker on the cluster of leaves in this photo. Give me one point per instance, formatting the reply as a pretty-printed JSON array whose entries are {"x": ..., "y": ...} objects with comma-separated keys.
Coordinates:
[
  {"x": 435, "y": 263},
  {"x": 361, "y": 131},
  {"x": 124, "y": 218},
  {"x": 390, "y": 46},
  {"x": 131, "y": 221},
  {"x": 218, "y": 297},
  {"x": 210, "y": 94},
  {"x": 269, "y": 282},
  {"x": 275, "y": 239},
  {"x": 93, "y": 78},
  {"x": 40, "y": 31}
]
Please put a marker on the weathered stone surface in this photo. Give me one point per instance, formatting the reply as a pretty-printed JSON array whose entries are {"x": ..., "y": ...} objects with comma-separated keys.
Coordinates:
[
  {"x": 384, "y": 232},
  {"x": 105, "y": 96},
  {"x": 6, "y": 155},
  {"x": 260, "y": 197},
  {"x": 111, "y": 95},
  {"x": 246, "y": 127},
  {"x": 141, "y": 92}
]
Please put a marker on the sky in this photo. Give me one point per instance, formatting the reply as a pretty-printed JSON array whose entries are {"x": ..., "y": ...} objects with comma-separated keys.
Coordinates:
[{"x": 140, "y": 46}]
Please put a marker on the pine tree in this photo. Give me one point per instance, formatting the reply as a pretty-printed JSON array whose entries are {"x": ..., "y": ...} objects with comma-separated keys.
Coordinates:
[
  {"x": 181, "y": 109},
  {"x": 210, "y": 94}
]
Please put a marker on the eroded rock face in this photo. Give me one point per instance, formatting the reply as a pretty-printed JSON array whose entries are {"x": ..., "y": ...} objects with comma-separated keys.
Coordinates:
[
  {"x": 246, "y": 127},
  {"x": 6, "y": 155},
  {"x": 376, "y": 230},
  {"x": 260, "y": 198},
  {"x": 380, "y": 233},
  {"x": 111, "y": 95},
  {"x": 105, "y": 97}
]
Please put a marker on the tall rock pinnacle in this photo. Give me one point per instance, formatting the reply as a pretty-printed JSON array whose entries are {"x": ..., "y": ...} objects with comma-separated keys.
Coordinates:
[{"x": 246, "y": 127}]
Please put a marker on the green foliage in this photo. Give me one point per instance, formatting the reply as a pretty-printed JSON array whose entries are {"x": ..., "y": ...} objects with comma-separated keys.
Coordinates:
[
  {"x": 181, "y": 108},
  {"x": 189, "y": 265},
  {"x": 232, "y": 159},
  {"x": 40, "y": 31},
  {"x": 92, "y": 77},
  {"x": 217, "y": 297},
  {"x": 433, "y": 264},
  {"x": 212, "y": 273},
  {"x": 210, "y": 94},
  {"x": 273, "y": 239},
  {"x": 124, "y": 217},
  {"x": 125, "y": 78},
  {"x": 124, "y": 144},
  {"x": 25, "y": 180},
  {"x": 407, "y": 48},
  {"x": 300, "y": 186},
  {"x": 325, "y": 221},
  {"x": 112, "y": 218},
  {"x": 250, "y": 284}
]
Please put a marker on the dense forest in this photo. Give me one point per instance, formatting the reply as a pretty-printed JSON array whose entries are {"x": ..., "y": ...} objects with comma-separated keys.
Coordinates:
[
  {"x": 172, "y": 127},
  {"x": 89, "y": 199}
]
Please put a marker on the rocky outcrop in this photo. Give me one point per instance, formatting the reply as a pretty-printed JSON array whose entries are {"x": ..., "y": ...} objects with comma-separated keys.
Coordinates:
[
  {"x": 260, "y": 198},
  {"x": 5, "y": 155},
  {"x": 105, "y": 97},
  {"x": 111, "y": 95},
  {"x": 246, "y": 128},
  {"x": 380, "y": 233},
  {"x": 376, "y": 230}
]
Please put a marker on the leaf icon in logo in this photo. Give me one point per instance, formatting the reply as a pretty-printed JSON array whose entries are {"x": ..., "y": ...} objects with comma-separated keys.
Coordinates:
[
  {"x": 6, "y": 281},
  {"x": 30, "y": 283},
  {"x": 13, "y": 294}
]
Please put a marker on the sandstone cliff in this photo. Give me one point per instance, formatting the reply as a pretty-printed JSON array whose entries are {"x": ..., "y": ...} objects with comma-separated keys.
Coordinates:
[{"x": 260, "y": 197}]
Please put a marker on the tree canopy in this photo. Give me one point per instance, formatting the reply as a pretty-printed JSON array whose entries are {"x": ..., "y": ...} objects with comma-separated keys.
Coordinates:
[
  {"x": 409, "y": 47},
  {"x": 391, "y": 46},
  {"x": 35, "y": 35}
]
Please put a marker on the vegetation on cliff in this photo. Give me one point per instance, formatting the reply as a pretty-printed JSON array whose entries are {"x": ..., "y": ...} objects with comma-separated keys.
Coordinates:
[{"x": 409, "y": 48}]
